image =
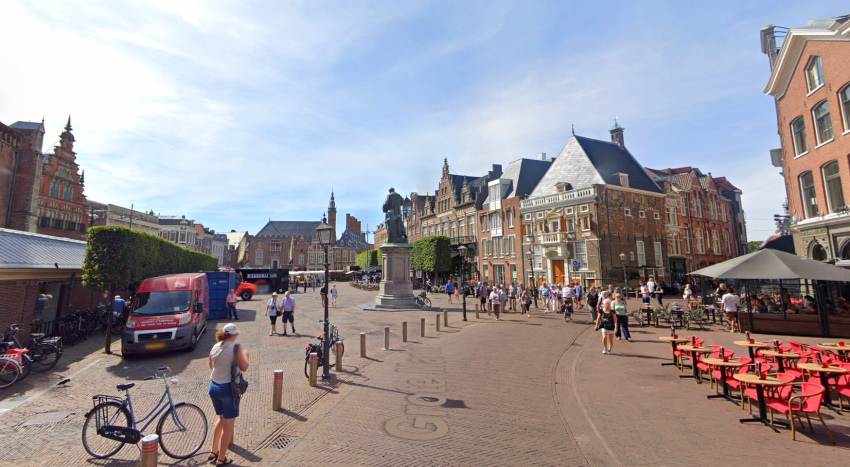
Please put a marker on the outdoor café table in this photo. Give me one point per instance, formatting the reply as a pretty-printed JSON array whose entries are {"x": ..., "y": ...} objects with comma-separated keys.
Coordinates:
[
  {"x": 647, "y": 313},
  {"x": 780, "y": 357},
  {"x": 723, "y": 366},
  {"x": 710, "y": 310},
  {"x": 752, "y": 346},
  {"x": 674, "y": 341},
  {"x": 770, "y": 381},
  {"x": 824, "y": 377},
  {"x": 841, "y": 350},
  {"x": 695, "y": 351}
]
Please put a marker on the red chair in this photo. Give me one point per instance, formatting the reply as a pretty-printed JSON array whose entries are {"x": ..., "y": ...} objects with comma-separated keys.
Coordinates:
[
  {"x": 780, "y": 393},
  {"x": 731, "y": 381},
  {"x": 706, "y": 368},
  {"x": 842, "y": 386},
  {"x": 807, "y": 402},
  {"x": 798, "y": 347}
]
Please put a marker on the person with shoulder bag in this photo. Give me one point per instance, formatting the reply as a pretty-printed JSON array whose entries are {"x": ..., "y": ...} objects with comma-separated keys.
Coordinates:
[
  {"x": 607, "y": 323},
  {"x": 227, "y": 361}
]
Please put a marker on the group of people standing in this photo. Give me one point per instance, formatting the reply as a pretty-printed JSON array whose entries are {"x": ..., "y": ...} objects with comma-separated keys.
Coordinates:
[{"x": 498, "y": 298}]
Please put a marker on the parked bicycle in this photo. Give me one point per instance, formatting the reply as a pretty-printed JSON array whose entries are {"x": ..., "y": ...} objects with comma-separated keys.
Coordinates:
[
  {"x": 10, "y": 371},
  {"x": 422, "y": 300},
  {"x": 111, "y": 424},
  {"x": 44, "y": 352},
  {"x": 317, "y": 348}
]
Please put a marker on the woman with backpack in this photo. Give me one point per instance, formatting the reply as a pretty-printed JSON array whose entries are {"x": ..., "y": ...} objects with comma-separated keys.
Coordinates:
[
  {"x": 526, "y": 302},
  {"x": 606, "y": 322},
  {"x": 223, "y": 355}
]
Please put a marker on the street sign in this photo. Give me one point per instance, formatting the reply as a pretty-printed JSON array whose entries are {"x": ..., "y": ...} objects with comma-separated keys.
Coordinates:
[{"x": 575, "y": 264}]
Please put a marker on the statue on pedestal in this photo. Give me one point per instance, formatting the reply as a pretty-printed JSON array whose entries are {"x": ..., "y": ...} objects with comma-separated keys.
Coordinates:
[{"x": 393, "y": 219}]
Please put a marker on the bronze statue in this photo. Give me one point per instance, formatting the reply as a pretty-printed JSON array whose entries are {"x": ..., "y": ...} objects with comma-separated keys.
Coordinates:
[{"x": 393, "y": 220}]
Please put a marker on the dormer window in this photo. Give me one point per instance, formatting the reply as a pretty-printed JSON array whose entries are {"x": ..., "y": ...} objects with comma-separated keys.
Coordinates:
[
  {"x": 562, "y": 187},
  {"x": 814, "y": 73},
  {"x": 624, "y": 180}
]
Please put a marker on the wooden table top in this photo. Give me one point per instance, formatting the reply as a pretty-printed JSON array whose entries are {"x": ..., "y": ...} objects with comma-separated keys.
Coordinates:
[
  {"x": 834, "y": 346},
  {"x": 671, "y": 339},
  {"x": 774, "y": 353},
  {"x": 752, "y": 378},
  {"x": 820, "y": 368},
  {"x": 754, "y": 344},
  {"x": 690, "y": 348},
  {"x": 720, "y": 362}
]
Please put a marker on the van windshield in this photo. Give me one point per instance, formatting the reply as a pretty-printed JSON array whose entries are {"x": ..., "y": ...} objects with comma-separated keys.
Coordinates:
[{"x": 162, "y": 303}]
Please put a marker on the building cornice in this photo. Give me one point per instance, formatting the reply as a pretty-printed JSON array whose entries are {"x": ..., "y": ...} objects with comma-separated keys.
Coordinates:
[{"x": 791, "y": 52}]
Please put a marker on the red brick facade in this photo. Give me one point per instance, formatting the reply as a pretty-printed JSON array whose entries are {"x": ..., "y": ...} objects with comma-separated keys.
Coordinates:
[
  {"x": 62, "y": 208},
  {"x": 20, "y": 174}
]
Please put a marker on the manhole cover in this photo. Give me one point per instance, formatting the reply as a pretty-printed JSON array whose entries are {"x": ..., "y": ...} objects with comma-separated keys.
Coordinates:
[
  {"x": 281, "y": 443},
  {"x": 47, "y": 418}
]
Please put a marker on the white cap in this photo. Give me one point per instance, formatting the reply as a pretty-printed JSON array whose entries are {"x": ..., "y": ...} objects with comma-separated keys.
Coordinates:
[
  {"x": 230, "y": 329},
  {"x": 274, "y": 293}
]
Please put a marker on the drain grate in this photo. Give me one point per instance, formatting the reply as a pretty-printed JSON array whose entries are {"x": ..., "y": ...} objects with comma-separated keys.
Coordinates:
[
  {"x": 47, "y": 418},
  {"x": 281, "y": 443}
]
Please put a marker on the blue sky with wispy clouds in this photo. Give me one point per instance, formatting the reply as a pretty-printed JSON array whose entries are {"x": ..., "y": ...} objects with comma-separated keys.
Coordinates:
[{"x": 232, "y": 113}]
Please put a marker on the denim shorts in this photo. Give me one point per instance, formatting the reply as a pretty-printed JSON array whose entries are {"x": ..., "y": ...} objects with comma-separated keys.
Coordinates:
[{"x": 222, "y": 400}]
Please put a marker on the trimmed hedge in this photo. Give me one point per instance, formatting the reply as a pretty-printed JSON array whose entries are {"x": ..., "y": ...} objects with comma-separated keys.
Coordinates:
[
  {"x": 432, "y": 254},
  {"x": 118, "y": 258}
]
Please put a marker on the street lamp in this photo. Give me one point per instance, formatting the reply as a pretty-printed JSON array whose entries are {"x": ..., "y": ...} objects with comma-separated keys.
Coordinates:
[
  {"x": 323, "y": 234},
  {"x": 625, "y": 278},
  {"x": 532, "y": 283},
  {"x": 463, "y": 251}
]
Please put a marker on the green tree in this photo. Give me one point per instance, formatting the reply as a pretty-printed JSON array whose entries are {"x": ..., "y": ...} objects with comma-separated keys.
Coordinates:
[
  {"x": 368, "y": 258},
  {"x": 118, "y": 258},
  {"x": 432, "y": 254},
  {"x": 752, "y": 247}
]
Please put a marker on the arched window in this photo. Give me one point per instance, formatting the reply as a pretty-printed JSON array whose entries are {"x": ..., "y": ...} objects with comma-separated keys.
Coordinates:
[
  {"x": 818, "y": 252},
  {"x": 807, "y": 191},
  {"x": 798, "y": 134},
  {"x": 814, "y": 73},
  {"x": 844, "y": 98},
  {"x": 832, "y": 182},
  {"x": 823, "y": 123}
]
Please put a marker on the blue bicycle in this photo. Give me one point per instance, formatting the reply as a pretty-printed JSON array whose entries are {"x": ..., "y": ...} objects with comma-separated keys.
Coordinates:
[{"x": 111, "y": 424}]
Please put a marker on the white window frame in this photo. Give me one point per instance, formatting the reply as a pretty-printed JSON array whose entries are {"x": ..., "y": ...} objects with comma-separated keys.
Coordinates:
[
  {"x": 569, "y": 211},
  {"x": 571, "y": 225},
  {"x": 585, "y": 208},
  {"x": 580, "y": 253},
  {"x": 641, "y": 252},
  {"x": 642, "y": 214},
  {"x": 686, "y": 236},
  {"x": 659, "y": 254},
  {"x": 814, "y": 80},
  {"x": 258, "y": 257},
  {"x": 844, "y": 101},
  {"x": 798, "y": 136},
  {"x": 827, "y": 187},
  {"x": 822, "y": 123},
  {"x": 673, "y": 247},
  {"x": 510, "y": 216},
  {"x": 627, "y": 212},
  {"x": 585, "y": 220}
]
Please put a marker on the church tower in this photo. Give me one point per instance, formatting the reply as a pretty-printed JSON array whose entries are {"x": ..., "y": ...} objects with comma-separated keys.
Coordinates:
[{"x": 332, "y": 217}]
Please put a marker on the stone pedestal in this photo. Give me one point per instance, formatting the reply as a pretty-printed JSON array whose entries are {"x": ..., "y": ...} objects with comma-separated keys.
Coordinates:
[{"x": 396, "y": 289}]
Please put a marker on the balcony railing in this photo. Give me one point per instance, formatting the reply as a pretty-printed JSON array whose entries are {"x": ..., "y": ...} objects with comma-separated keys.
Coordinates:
[
  {"x": 463, "y": 240},
  {"x": 558, "y": 198},
  {"x": 551, "y": 238}
]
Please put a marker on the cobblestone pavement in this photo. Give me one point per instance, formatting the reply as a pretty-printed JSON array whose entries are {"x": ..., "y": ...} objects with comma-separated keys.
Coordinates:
[{"x": 531, "y": 391}]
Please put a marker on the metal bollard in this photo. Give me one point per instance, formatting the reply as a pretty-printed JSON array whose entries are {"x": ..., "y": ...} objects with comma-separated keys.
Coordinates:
[
  {"x": 446, "y": 318},
  {"x": 314, "y": 363},
  {"x": 339, "y": 356},
  {"x": 150, "y": 450},
  {"x": 362, "y": 345},
  {"x": 438, "y": 322},
  {"x": 386, "y": 338},
  {"x": 476, "y": 313},
  {"x": 277, "y": 395},
  {"x": 421, "y": 327},
  {"x": 404, "y": 331}
]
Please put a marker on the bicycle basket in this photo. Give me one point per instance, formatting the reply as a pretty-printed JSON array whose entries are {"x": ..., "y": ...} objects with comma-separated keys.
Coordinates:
[
  {"x": 101, "y": 418},
  {"x": 314, "y": 348}
]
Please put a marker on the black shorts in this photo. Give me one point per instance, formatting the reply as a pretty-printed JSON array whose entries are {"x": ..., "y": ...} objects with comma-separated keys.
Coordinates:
[
  {"x": 287, "y": 316},
  {"x": 273, "y": 319}
]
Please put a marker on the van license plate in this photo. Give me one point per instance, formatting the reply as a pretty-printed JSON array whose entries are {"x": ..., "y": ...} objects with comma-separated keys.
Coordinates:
[{"x": 155, "y": 346}]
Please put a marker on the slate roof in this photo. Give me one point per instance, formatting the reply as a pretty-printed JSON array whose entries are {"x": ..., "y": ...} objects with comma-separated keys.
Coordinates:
[
  {"x": 352, "y": 240},
  {"x": 289, "y": 229},
  {"x": 585, "y": 162},
  {"x": 25, "y": 250},
  {"x": 26, "y": 125},
  {"x": 524, "y": 175}
]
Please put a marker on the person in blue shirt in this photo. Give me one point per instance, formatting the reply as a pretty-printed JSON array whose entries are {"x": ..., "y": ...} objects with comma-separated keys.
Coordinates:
[
  {"x": 119, "y": 306},
  {"x": 449, "y": 290}
]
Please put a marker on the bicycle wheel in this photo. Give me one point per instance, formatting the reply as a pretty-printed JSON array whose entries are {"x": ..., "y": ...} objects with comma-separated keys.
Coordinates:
[
  {"x": 427, "y": 302},
  {"x": 334, "y": 356},
  {"x": 107, "y": 413},
  {"x": 10, "y": 371},
  {"x": 44, "y": 357},
  {"x": 26, "y": 368},
  {"x": 182, "y": 430},
  {"x": 307, "y": 367}
]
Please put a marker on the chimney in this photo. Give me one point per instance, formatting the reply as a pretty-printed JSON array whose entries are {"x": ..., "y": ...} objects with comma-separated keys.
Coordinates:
[
  {"x": 543, "y": 156},
  {"x": 617, "y": 134},
  {"x": 495, "y": 173}
]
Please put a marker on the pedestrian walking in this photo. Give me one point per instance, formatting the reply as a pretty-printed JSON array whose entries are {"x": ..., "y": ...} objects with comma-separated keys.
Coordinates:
[
  {"x": 222, "y": 356},
  {"x": 457, "y": 292},
  {"x": 483, "y": 293},
  {"x": 495, "y": 301},
  {"x": 526, "y": 302},
  {"x": 334, "y": 293},
  {"x": 231, "y": 305},
  {"x": 288, "y": 307},
  {"x": 323, "y": 291},
  {"x": 579, "y": 292},
  {"x": 688, "y": 296},
  {"x": 659, "y": 292},
  {"x": 314, "y": 284},
  {"x": 555, "y": 299},
  {"x": 273, "y": 308},
  {"x": 592, "y": 303},
  {"x": 449, "y": 289},
  {"x": 304, "y": 283},
  {"x": 512, "y": 297},
  {"x": 544, "y": 292},
  {"x": 619, "y": 307},
  {"x": 606, "y": 322},
  {"x": 644, "y": 293},
  {"x": 731, "y": 304}
]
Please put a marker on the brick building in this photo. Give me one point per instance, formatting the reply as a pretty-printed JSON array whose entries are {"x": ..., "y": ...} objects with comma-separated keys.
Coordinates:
[
  {"x": 351, "y": 243},
  {"x": 111, "y": 214},
  {"x": 62, "y": 209},
  {"x": 595, "y": 203},
  {"x": 381, "y": 235},
  {"x": 21, "y": 165},
  {"x": 501, "y": 257},
  {"x": 700, "y": 222},
  {"x": 810, "y": 82},
  {"x": 179, "y": 230}
]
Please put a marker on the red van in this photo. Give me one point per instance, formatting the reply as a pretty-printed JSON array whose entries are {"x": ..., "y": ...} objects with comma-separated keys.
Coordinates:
[{"x": 168, "y": 312}]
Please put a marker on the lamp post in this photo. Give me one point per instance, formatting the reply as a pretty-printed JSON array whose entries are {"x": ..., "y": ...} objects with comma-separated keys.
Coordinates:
[
  {"x": 463, "y": 251},
  {"x": 533, "y": 284},
  {"x": 323, "y": 232},
  {"x": 625, "y": 278}
]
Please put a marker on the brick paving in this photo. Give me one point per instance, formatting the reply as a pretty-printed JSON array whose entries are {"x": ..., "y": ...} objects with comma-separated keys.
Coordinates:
[{"x": 532, "y": 391}]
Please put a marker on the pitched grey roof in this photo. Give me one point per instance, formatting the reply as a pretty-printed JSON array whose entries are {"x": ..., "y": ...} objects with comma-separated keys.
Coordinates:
[
  {"x": 289, "y": 229},
  {"x": 585, "y": 162},
  {"x": 25, "y": 250},
  {"x": 352, "y": 240},
  {"x": 26, "y": 125}
]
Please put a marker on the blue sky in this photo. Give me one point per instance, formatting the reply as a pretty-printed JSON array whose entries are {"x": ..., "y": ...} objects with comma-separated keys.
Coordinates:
[{"x": 232, "y": 113}]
